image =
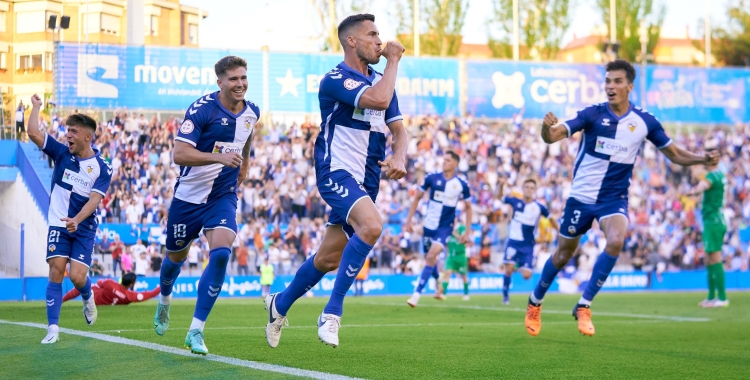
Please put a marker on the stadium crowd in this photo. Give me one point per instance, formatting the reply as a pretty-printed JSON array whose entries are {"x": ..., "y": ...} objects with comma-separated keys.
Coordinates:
[{"x": 282, "y": 215}]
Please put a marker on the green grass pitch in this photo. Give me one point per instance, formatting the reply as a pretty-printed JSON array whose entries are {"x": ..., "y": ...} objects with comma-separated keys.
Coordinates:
[{"x": 638, "y": 335}]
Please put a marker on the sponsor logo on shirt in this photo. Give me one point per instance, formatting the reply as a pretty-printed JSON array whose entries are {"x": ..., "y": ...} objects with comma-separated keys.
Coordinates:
[
  {"x": 444, "y": 197},
  {"x": 609, "y": 146},
  {"x": 351, "y": 84},
  {"x": 187, "y": 127},
  {"x": 368, "y": 115},
  {"x": 72, "y": 178},
  {"x": 227, "y": 147}
]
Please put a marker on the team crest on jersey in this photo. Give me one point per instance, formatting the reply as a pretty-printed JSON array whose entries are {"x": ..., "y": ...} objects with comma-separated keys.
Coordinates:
[
  {"x": 180, "y": 243},
  {"x": 248, "y": 124},
  {"x": 632, "y": 127},
  {"x": 572, "y": 230},
  {"x": 187, "y": 127},
  {"x": 89, "y": 168},
  {"x": 52, "y": 248},
  {"x": 351, "y": 84}
]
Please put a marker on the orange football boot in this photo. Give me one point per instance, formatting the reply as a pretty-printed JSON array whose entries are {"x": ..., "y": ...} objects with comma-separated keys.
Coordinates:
[
  {"x": 533, "y": 319},
  {"x": 583, "y": 315}
]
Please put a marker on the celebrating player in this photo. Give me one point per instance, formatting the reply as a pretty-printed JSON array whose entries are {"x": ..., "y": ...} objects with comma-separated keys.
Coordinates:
[
  {"x": 211, "y": 147},
  {"x": 445, "y": 191},
  {"x": 356, "y": 105},
  {"x": 519, "y": 251},
  {"x": 714, "y": 229},
  {"x": 109, "y": 292},
  {"x": 613, "y": 133},
  {"x": 79, "y": 182},
  {"x": 456, "y": 261}
]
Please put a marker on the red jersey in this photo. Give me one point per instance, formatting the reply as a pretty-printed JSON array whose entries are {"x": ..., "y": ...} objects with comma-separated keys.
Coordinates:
[{"x": 109, "y": 292}]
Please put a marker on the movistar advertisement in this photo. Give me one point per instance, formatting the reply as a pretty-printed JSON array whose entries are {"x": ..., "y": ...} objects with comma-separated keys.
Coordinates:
[{"x": 110, "y": 76}]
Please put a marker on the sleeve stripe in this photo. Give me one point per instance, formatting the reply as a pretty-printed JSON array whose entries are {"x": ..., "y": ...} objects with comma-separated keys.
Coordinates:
[
  {"x": 395, "y": 118},
  {"x": 665, "y": 145},
  {"x": 567, "y": 127},
  {"x": 100, "y": 192},
  {"x": 422, "y": 189},
  {"x": 362, "y": 91},
  {"x": 46, "y": 136},
  {"x": 185, "y": 140}
]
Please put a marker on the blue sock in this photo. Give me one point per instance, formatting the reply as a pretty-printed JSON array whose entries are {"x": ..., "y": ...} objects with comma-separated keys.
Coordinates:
[
  {"x": 602, "y": 267},
  {"x": 54, "y": 301},
  {"x": 548, "y": 275},
  {"x": 424, "y": 277},
  {"x": 506, "y": 285},
  {"x": 85, "y": 290},
  {"x": 435, "y": 272},
  {"x": 354, "y": 256},
  {"x": 169, "y": 272},
  {"x": 305, "y": 278},
  {"x": 211, "y": 282}
]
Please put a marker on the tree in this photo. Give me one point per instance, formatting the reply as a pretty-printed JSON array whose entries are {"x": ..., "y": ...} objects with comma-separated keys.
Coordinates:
[
  {"x": 329, "y": 12},
  {"x": 542, "y": 24},
  {"x": 628, "y": 22},
  {"x": 731, "y": 44},
  {"x": 444, "y": 20}
]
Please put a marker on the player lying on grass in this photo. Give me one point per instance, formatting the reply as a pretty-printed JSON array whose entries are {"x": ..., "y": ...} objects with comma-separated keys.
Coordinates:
[
  {"x": 108, "y": 292},
  {"x": 79, "y": 182},
  {"x": 613, "y": 133}
]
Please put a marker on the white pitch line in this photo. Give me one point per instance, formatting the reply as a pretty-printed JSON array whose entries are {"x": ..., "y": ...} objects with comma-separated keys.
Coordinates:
[
  {"x": 181, "y": 352},
  {"x": 515, "y": 309},
  {"x": 453, "y": 324}
]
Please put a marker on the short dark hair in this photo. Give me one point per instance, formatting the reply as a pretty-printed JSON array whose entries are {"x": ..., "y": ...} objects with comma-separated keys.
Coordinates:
[
  {"x": 454, "y": 155},
  {"x": 530, "y": 180},
  {"x": 228, "y": 63},
  {"x": 351, "y": 21},
  {"x": 79, "y": 119},
  {"x": 128, "y": 279},
  {"x": 621, "y": 64}
]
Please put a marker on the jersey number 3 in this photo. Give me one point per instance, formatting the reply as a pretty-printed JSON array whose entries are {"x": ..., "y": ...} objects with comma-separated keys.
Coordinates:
[{"x": 576, "y": 217}]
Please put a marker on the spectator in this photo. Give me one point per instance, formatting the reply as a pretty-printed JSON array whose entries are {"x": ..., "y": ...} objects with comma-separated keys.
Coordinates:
[
  {"x": 96, "y": 269},
  {"x": 193, "y": 257},
  {"x": 266, "y": 278},
  {"x": 118, "y": 249},
  {"x": 141, "y": 264},
  {"x": 242, "y": 258}
]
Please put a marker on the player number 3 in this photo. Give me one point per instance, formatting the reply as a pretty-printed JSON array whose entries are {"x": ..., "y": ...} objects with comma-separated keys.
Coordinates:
[
  {"x": 576, "y": 216},
  {"x": 179, "y": 231}
]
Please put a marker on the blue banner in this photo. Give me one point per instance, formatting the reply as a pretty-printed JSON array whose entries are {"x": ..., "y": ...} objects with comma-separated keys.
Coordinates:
[
  {"x": 159, "y": 78},
  {"x": 479, "y": 283},
  {"x": 697, "y": 95}
]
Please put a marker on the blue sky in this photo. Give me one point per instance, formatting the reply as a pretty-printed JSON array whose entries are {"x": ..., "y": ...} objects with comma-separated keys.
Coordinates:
[{"x": 292, "y": 25}]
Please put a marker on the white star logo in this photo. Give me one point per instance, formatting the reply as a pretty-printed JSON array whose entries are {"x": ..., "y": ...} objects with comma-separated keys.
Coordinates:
[
  {"x": 289, "y": 84},
  {"x": 508, "y": 89}
]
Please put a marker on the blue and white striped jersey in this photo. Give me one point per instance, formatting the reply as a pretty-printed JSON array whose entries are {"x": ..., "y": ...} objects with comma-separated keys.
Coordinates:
[
  {"x": 73, "y": 181},
  {"x": 609, "y": 146},
  {"x": 444, "y": 197},
  {"x": 211, "y": 128},
  {"x": 351, "y": 138},
  {"x": 525, "y": 219}
]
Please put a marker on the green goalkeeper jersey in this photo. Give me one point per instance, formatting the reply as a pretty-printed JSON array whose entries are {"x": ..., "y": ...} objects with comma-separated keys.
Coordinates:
[
  {"x": 713, "y": 198},
  {"x": 455, "y": 247}
]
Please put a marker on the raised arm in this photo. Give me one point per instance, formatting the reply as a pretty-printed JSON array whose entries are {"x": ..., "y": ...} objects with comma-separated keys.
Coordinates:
[
  {"x": 378, "y": 97},
  {"x": 553, "y": 132},
  {"x": 701, "y": 187},
  {"x": 35, "y": 134}
]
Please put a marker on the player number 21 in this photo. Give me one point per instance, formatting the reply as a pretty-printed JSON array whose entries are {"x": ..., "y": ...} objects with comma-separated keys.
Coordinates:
[
  {"x": 576, "y": 217},
  {"x": 179, "y": 230},
  {"x": 54, "y": 236}
]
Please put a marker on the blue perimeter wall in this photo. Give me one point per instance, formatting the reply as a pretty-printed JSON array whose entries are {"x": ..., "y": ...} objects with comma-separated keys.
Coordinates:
[{"x": 249, "y": 286}]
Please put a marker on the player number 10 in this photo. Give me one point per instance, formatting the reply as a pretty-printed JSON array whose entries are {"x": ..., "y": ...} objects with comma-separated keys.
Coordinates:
[{"x": 179, "y": 230}]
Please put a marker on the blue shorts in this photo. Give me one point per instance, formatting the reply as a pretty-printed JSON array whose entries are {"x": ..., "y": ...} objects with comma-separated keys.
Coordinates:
[
  {"x": 186, "y": 220},
  {"x": 439, "y": 236},
  {"x": 520, "y": 254},
  {"x": 578, "y": 217},
  {"x": 341, "y": 191},
  {"x": 77, "y": 246}
]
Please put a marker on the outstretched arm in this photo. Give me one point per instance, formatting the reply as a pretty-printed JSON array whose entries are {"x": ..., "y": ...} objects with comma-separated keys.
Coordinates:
[
  {"x": 73, "y": 293},
  {"x": 142, "y": 296},
  {"x": 682, "y": 157},
  {"x": 702, "y": 186}
]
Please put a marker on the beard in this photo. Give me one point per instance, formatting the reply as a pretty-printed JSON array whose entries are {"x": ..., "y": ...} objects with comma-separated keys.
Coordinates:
[{"x": 370, "y": 57}]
